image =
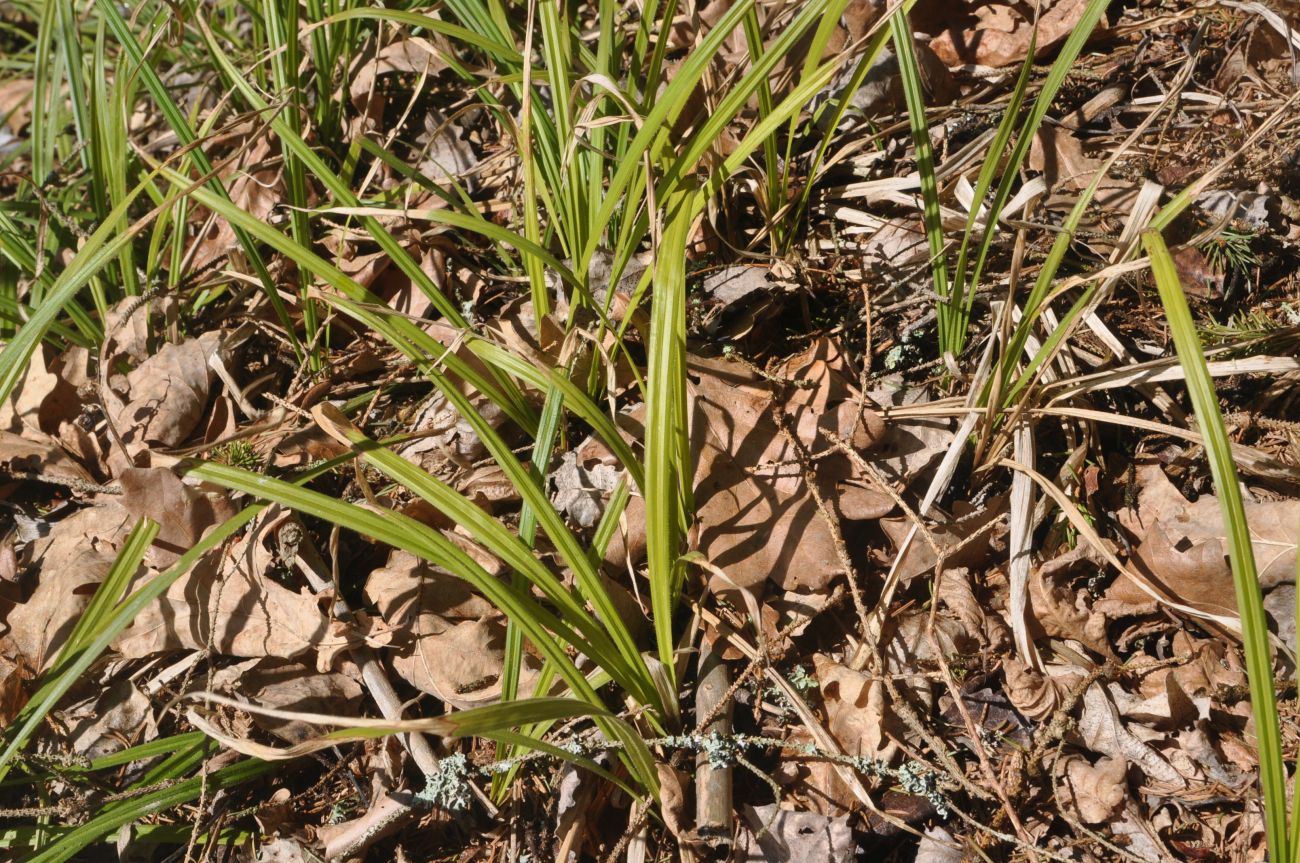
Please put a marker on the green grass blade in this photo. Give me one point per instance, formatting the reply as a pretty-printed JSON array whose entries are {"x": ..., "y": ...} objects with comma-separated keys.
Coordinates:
[
  {"x": 96, "y": 643},
  {"x": 654, "y": 132},
  {"x": 1241, "y": 555},
  {"x": 963, "y": 294},
  {"x": 509, "y": 399},
  {"x": 96, "y": 252},
  {"x": 909, "y": 72},
  {"x": 112, "y": 588},
  {"x": 615, "y": 651},
  {"x": 665, "y": 426},
  {"x": 401, "y": 532},
  {"x": 115, "y": 816},
  {"x": 185, "y": 134}
]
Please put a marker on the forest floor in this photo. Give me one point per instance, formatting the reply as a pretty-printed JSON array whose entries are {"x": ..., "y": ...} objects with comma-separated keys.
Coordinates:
[{"x": 725, "y": 438}]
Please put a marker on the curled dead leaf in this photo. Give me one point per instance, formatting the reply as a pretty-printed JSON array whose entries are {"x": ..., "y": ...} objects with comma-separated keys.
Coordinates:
[
  {"x": 238, "y": 610},
  {"x": 68, "y": 565},
  {"x": 1037, "y": 694},
  {"x": 856, "y": 710},
  {"x": 1105, "y": 732},
  {"x": 1095, "y": 791},
  {"x": 1182, "y": 545},
  {"x": 161, "y": 401},
  {"x": 450, "y": 641},
  {"x": 182, "y": 511},
  {"x": 1000, "y": 33}
]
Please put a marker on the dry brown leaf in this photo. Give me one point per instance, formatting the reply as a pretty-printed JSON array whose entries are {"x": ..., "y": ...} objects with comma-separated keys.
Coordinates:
[
  {"x": 574, "y": 811},
  {"x": 672, "y": 800},
  {"x": 732, "y": 284},
  {"x": 351, "y": 838},
  {"x": 256, "y": 189},
  {"x": 288, "y": 685},
  {"x": 856, "y": 712},
  {"x": 820, "y": 786},
  {"x": 1182, "y": 545},
  {"x": 128, "y": 324},
  {"x": 407, "y": 587},
  {"x": 240, "y": 610},
  {"x": 920, "y": 558},
  {"x": 1169, "y": 708},
  {"x": 1094, "y": 791},
  {"x": 1061, "y": 605},
  {"x": 447, "y": 154},
  {"x": 284, "y": 850},
  {"x": 33, "y": 452},
  {"x": 1000, "y": 32},
  {"x": 938, "y": 846},
  {"x": 16, "y": 103},
  {"x": 115, "y": 718},
  {"x": 161, "y": 401},
  {"x": 1197, "y": 276},
  {"x": 1058, "y": 155},
  {"x": 46, "y": 396},
  {"x": 410, "y": 54},
  {"x": 581, "y": 489},
  {"x": 68, "y": 564},
  {"x": 913, "y": 645},
  {"x": 1104, "y": 732},
  {"x": 1037, "y": 694},
  {"x": 12, "y": 677},
  {"x": 782, "y": 836},
  {"x": 454, "y": 644},
  {"x": 898, "y": 243},
  {"x": 756, "y": 520},
  {"x": 182, "y": 511},
  {"x": 910, "y": 446}
]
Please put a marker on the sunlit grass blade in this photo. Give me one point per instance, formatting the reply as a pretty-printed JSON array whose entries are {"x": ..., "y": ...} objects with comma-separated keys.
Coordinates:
[
  {"x": 668, "y": 477},
  {"x": 964, "y": 290},
  {"x": 185, "y": 134},
  {"x": 1241, "y": 555},
  {"x": 509, "y": 399},
  {"x": 625, "y": 185},
  {"x": 405, "y": 533},
  {"x": 870, "y": 54},
  {"x": 101, "y": 247},
  {"x": 281, "y": 22},
  {"x": 322, "y": 173},
  {"x": 112, "y": 588},
  {"x": 104, "y": 825},
  {"x": 399, "y": 531},
  {"x": 909, "y": 72},
  {"x": 96, "y": 642},
  {"x": 613, "y": 647}
]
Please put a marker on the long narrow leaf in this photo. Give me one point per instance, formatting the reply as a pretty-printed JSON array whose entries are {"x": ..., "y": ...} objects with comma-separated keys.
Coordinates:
[{"x": 1241, "y": 554}]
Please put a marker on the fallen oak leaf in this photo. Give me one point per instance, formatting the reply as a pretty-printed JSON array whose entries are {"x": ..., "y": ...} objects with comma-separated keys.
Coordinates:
[
  {"x": 1183, "y": 544},
  {"x": 773, "y": 835},
  {"x": 33, "y": 453},
  {"x": 1095, "y": 791},
  {"x": 72, "y": 560},
  {"x": 1002, "y": 33},
  {"x": 1104, "y": 732},
  {"x": 756, "y": 518},
  {"x": 160, "y": 402},
  {"x": 450, "y": 642},
  {"x": 182, "y": 511},
  {"x": 856, "y": 710},
  {"x": 1089, "y": 534},
  {"x": 240, "y": 612}
]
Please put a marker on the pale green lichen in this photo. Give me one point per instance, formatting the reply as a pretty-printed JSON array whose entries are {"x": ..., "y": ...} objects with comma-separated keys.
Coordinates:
[{"x": 448, "y": 786}]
